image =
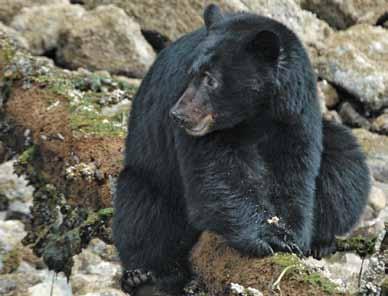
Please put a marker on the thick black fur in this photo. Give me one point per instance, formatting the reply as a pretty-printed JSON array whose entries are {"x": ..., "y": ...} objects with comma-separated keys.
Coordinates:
[{"x": 261, "y": 160}]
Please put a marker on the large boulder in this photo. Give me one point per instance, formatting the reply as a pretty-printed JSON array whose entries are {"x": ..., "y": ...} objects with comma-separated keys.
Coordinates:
[
  {"x": 10, "y": 8},
  {"x": 186, "y": 15},
  {"x": 121, "y": 46},
  {"x": 41, "y": 26},
  {"x": 171, "y": 18},
  {"x": 13, "y": 36},
  {"x": 376, "y": 149},
  {"x": 343, "y": 14},
  {"x": 357, "y": 61}
]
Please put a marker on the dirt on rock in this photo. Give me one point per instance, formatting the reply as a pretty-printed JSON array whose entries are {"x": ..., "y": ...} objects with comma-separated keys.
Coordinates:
[{"x": 59, "y": 148}]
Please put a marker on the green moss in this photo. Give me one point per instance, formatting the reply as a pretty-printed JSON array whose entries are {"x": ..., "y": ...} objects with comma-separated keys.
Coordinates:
[
  {"x": 299, "y": 272},
  {"x": 363, "y": 246},
  {"x": 285, "y": 260},
  {"x": 7, "y": 52},
  {"x": 107, "y": 212},
  {"x": 318, "y": 280},
  {"x": 27, "y": 155}
]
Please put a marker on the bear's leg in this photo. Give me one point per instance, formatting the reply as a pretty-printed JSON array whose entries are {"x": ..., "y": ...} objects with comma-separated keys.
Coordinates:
[
  {"x": 152, "y": 236},
  {"x": 342, "y": 188}
]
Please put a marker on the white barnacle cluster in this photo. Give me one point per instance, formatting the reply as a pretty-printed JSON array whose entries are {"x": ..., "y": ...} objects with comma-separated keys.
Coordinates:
[
  {"x": 240, "y": 290},
  {"x": 86, "y": 171}
]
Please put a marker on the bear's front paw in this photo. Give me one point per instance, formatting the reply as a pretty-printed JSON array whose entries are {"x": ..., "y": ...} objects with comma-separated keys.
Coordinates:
[
  {"x": 322, "y": 249},
  {"x": 132, "y": 280},
  {"x": 277, "y": 238}
]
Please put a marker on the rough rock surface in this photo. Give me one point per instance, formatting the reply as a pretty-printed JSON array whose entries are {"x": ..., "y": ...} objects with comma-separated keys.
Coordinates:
[
  {"x": 376, "y": 149},
  {"x": 122, "y": 48},
  {"x": 9, "y": 8},
  {"x": 329, "y": 93},
  {"x": 186, "y": 15},
  {"x": 342, "y": 14},
  {"x": 97, "y": 269},
  {"x": 357, "y": 61},
  {"x": 41, "y": 26},
  {"x": 380, "y": 124},
  {"x": 13, "y": 35}
]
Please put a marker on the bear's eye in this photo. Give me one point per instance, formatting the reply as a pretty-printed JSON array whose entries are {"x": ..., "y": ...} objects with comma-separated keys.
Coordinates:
[{"x": 210, "y": 81}]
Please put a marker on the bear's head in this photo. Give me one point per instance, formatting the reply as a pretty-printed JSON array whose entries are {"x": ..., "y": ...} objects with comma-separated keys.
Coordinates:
[{"x": 242, "y": 72}]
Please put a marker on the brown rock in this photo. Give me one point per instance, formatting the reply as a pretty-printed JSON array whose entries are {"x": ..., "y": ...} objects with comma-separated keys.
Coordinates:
[
  {"x": 380, "y": 124},
  {"x": 329, "y": 93},
  {"x": 121, "y": 46},
  {"x": 41, "y": 26},
  {"x": 357, "y": 61},
  {"x": 343, "y": 14},
  {"x": 10, "y": 8}
]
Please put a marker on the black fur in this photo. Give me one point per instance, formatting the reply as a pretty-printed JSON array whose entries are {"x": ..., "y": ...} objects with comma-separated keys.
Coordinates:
[{"x": 261, "y": 159}]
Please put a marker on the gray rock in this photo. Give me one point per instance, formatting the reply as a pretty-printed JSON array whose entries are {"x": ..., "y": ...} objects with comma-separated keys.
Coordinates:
[
  {"x": 13, "y": 36},
  {"x": 350, "y": 116},
  {"x": 377, "y": 198},
  {"x": 342, "y": 14},
  {"x": 10, "y": 8},
  {"x": 380, "y": 124},
  {"x": 107, "y": 292},
  {"x": 356, "y": 60},
  {"x": 186, "y": 15},
  {"x": 93, "y": 272},
  {"x": 15, "y": 189},
  {"x": 121, "y": 46},
  {"x": 332, "y": 115},
  {"x": 376, "y": 149},
  {"x": 41, "y": 26},
  {"x": 329, "y": 93},
  {"x": 58, "y": 285},
  {"x": 7, "y": 286},
  {"x": 342, "y": 269},
  {"x": 11, "y": 234}
]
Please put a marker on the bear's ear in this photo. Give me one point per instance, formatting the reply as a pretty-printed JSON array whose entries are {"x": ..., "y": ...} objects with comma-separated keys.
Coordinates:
[
  {"x": 212, "y": 15},
  {"x": 266, "y": 44}
]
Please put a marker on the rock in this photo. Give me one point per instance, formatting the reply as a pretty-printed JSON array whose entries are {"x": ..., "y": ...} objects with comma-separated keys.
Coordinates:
[
  {"x": 10, "y": 8},
  {"x": 332, "y": 115},
  {"x": 14, "y": 36},
  {"x": 377, "y": 199},
  {"x": 122, "y": 107},
  {"x": 350, "y": 116},
  {"x": 356, "y": 60},
  {"x": 106, "y": 292},
  {"x": 92, "y": 273},
  {"x": 58, "y": 285},
  {"x": 183, "y": 15},
  {"x": 7, "y": 286},
  {"x": 380, "y": 124},
  {"x": 15, "y": 189},
  {"x": 343, "y": 14},
  {"x": 382, "y": 186},
  {"x": 342, "y": 269},
  {"x": 329, "y": 93},
  {"x": 186, "y": 15},
  {"x": 122, "y": 48},
  {"x": 376, "y": 149},
  {"x": 11, "y": 233},
  {"x": 41, "y": 26}
]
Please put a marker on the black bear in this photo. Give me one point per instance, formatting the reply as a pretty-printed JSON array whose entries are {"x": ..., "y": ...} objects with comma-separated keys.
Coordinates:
[{"x": 226, "y": 135}]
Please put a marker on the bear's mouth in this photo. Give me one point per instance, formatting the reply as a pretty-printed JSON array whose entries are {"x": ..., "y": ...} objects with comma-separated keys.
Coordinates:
[{"x": 202, "y": 128}]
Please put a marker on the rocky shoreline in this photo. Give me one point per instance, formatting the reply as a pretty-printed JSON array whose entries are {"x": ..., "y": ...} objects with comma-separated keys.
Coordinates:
[{"x": 69, "y": 70}]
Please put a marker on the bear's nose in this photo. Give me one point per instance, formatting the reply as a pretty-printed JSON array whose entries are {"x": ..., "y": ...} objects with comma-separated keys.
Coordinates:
[{"x": 177, "y": 116}]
